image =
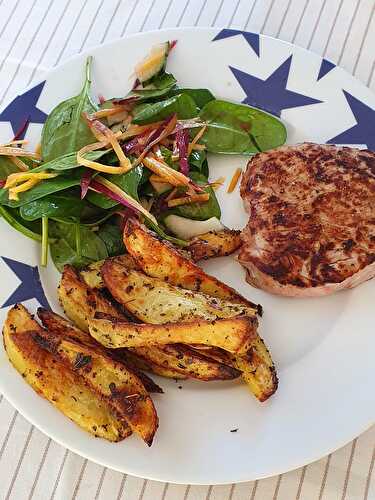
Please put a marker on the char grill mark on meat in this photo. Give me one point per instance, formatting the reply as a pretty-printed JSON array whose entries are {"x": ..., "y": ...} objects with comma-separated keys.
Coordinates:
[{"x": 311, "y": 226}]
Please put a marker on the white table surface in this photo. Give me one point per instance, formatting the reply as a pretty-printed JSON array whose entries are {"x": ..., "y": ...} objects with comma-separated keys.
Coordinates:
[{"x": 35, "y": 35}]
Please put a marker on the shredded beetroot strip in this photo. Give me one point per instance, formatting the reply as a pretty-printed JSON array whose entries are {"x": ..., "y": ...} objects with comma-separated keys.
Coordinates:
[
  {"x": 85, "y": 182},
  {"x": 2, "y": 183},
  {"x": 101, "y": 98},
  {"x": 21, "y": 131},
  {"x": 182, "y": 142},
  {"x": 114, "y": 196}
]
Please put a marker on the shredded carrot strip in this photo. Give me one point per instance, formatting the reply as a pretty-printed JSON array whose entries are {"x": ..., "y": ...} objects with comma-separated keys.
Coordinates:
[
  {"x": 15, "y": 142},
  {"x": 19, "y": 163},
  {"x": 134, "y": 130},
  {"x": 167, "y": 173},
  {"x": 11, "y": 151},
  {"x": 234, "y": 181},
  {"x": 218, "y": 183},
  {"x": 156, "y": 178},
  {"x": 13, "y": 192},
  {"x": 18, "y": 177},
  {"x": 94, "y": 165},
  {"x": 195, "y": 198},
  {"x": 197, "y": 136},
  {"x": 103, "y": 113},
  {"x": 166, "y": 132},
  {"x": 172, "y": 194},
  {"x": 197, "y": 147}
]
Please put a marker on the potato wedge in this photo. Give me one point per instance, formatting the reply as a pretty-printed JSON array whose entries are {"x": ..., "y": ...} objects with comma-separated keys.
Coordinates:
[
  {"x": 76, "y": 298},
  {"x": 59, "y": 326},
  {"x": 186, "y": 360},
  {"x": 256, "y": 367},
  {"x": 161, "y": 260},
  {"x": 154, "y": 301},
  {"x": 214, "y": 244},
  {"x": 111, "y": 380},
  {"x": 50, "y": 378},
  {"x": 144, "y": 363},
  {"x": 231, "y": 334},
  {"x": 258, "y": 370},
  {"x": 91, "y": 274}
]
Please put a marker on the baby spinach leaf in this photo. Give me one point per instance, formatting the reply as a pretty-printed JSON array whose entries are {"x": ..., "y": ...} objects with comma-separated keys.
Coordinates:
[
  {"x": 181, "y": 104},
  {"x": 64, "y": 247},
  {"x": 198, "y": 211},
  {"x": 46, "y": 187},
  {"x": 128, "y": 182},
  {"x": 62, "y": 205},
  {"x": 111, "y": 234},
  {"x": 200, "y": 96},
  {"x": 69, "y": 161},
  {"x": 239, "y": 129},
  {"x": 12, "y": 217},
  {"x": 7, "y": 167},
  {"x": 65, "y": 130},
  {"x": 197, "y": 159}
]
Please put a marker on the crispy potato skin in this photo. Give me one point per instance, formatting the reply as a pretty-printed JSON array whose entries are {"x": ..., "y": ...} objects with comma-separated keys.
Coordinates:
[
  {"x": 135, "y": 358},
  {"x": 110, "y": 380},
  {"x": 232, "y": 334},
  {"x": 50, "y": 378},
  {"x": 77, "y": 299},
  {"x": 160, "y": 259},
  {"x": 153, "y": 300},
  {"x": 190, "y": 362},
  {"x": 214, "y": 244},
  {"x": 91, "y": 275},
  {"x": 62, "y": 328}
]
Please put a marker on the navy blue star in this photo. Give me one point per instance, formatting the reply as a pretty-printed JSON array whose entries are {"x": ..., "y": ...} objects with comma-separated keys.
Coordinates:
[
  {"x": 251, "y": 38},
  {"x": 325, "y": 67},
  {"x": 30, "y": 286},
  {"x": 271, "y": 94},
  {"x": 23, "y": 108},
  {"x": 363, "y": 131}
]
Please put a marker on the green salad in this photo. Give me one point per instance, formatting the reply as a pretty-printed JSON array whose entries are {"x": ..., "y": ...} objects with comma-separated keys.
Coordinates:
[{"x": 145, "y": 154}]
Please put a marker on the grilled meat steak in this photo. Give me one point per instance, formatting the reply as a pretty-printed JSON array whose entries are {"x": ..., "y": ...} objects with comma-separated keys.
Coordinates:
[{"x": 311, "y": 229}]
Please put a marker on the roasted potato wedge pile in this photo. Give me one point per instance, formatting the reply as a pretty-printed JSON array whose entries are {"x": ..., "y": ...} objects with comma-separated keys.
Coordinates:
[
  {"x": 81, "y": 378},
  {"x": 153, "y": 310},
  {"x": 52, "y": 379}
]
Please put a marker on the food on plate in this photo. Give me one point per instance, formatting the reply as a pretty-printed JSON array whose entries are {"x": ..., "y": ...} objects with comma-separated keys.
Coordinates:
[
  {"x": 77, "y": 299},
  {"x": 53, "y": 380},
  {"x": 145, "y": 154},
  {"x": 152, "y": 300},
  {"x": 79, "y": 302},
  {"x": 62, "y": 328},
  {"x": 119, "y": 192},
  {"x": 160, "y": 259},
  {"x": 214, "y": 244},
  {"x": 311, "y": 224},
  {"x": 190, "y": 362},
  {"x": 91, "y": 274},
  {"x": 111, "y": 380},
  {"x": 231, "y": 334}
]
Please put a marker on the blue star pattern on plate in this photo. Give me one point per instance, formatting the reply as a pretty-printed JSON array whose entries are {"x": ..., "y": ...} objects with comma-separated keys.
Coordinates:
[
  {"x": 325, "y": 67},
  {"x": 23, "y": 109},
  {"x": 30, "y": 286},
  {"x": 251, "y": 38},
  {"x": 363, "y": 131},
  {"x": 271, "y": 94}
]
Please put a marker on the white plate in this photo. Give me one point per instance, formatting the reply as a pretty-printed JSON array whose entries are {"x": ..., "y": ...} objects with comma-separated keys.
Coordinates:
[{"x": 324, "y": 348}]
